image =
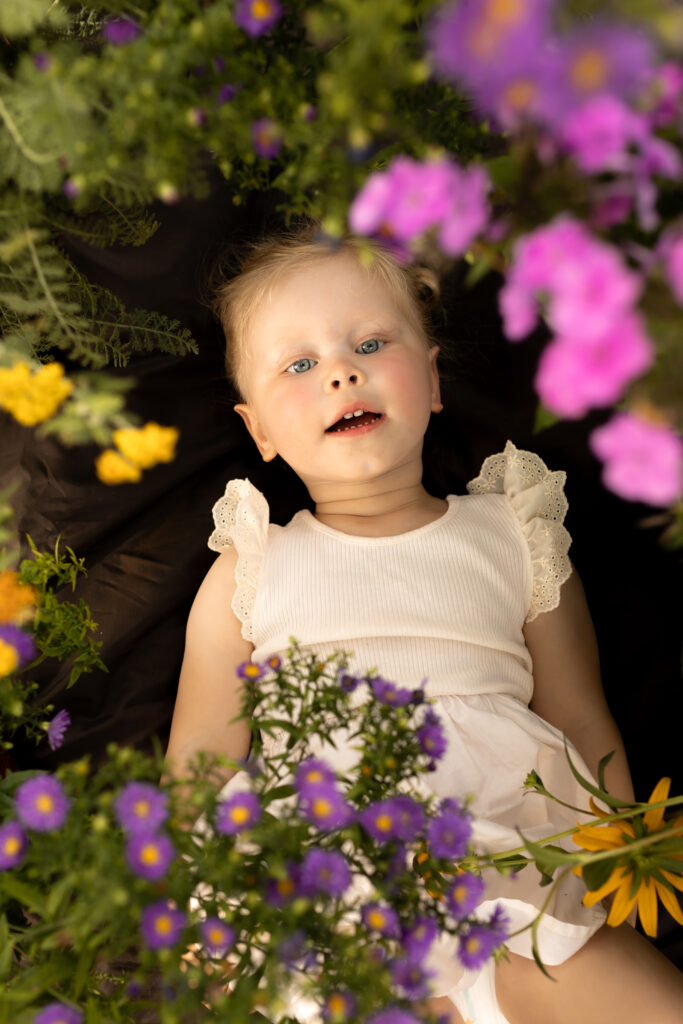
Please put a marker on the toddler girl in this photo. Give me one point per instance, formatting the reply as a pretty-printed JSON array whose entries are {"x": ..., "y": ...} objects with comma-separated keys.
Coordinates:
[{"x": 333, "y": 360}]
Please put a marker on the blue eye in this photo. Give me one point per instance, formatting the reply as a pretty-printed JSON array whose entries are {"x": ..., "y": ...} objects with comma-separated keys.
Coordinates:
[
  {"x": 370, "y": 346},
  {"x": 301, "y": 365}
]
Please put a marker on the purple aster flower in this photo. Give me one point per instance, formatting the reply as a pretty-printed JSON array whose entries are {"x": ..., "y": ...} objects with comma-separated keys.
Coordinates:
[
  {"x": 381, "y": 820},
  {"x": 338, "y": 1007},
  {"x": 257, "y": 16},
  {"x": 23, "y": 643},
  {"x": 58, "y": 1013},
  {"x": 121, "y": 31},
  {"x": 325, "y": 808},
  {"x": 149, "y": 855},
  {"x": 382, "y": 919},
  {"x": 71, "y": 188},
  {"x": 226, "y": 93},
  {"x": 449, "y": 834},
  {"x": 390, "y": 693},
  {"x": 643, "y": 460},
  {"x": 140, "y": 808},
  {"x": 393, "y": 1015},
  {"x": 161, "y": 924},
  {"x": 464, "y": 894},
  {"x": 42, "y": 61},
  {"x": 431, "y": 737},
  {"x": 282, "y": 890},
  {"x": 313, "y": 773},
  {"x": 291, "y": 948},
  {"x": 42, "y": 804},
  {"x": 477, "y": 944},
  {"x": 266, "y": 138},
  {"x": 499, "y": 923},
  {"x": 410, "y": 816},
  {"x": 218, "y": 937},
  {"x": 412, "y": 978},
  {"x": 56, "y": 729},
  {"x": 348, "y": 683},
  {"x": 13, "y": 844},
  {"x": 325, "y": 871},
  {"x": 250, "y": 671},
  {"x": 418, "y": 939},
  {"x": 575, "y": 373},
  {"x": 240, "y": 811}
]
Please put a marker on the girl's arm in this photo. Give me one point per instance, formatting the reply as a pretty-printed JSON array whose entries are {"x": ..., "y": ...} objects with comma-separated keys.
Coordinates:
[
  {"x": 568, "y": 691},
  {"x": 209, "y": 692}
]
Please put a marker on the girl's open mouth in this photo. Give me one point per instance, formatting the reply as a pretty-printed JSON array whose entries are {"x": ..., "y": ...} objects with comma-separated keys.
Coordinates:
[{"x": 355, "y": 423}]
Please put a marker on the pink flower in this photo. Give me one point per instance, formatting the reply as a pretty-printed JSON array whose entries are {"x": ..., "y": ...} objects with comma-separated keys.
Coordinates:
[
  {"x": 599, "y": 132},
  {"x": 671, "y": 252},
  {"x": 420, "y": 195},
  {"x": 643, "y": 460},
  {"x": 576, "y": 374},
  {"x": 591, "y": 289}
]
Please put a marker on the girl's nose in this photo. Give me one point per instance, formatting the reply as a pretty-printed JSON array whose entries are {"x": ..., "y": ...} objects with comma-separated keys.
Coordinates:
[{"x": 344, "y": 374}]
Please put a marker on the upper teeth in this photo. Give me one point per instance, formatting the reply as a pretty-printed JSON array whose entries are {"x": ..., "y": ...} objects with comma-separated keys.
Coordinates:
[{"x": 349, "y": 415}]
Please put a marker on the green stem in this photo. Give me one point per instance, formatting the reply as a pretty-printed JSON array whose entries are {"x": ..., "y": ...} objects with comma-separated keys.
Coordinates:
[
  {"x": 48, "y": 293},
  {"x": 30, "y": 154}
]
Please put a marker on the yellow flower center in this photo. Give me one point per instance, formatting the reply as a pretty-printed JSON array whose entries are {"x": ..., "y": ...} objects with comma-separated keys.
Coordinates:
[
  {"x": 376, "y": 919},
  {"x": 216, "y": 936},
  {"x": 589, "y": 70},
  {"x": 321, "y": 807},
  {"x": 314, "y": 775},
  {"x": 8, "y": 658},
  {"x": 141, "y": 808},
  {"x": 285, "y": 886},
  {"x": 336, "y": 1004},
  {"x": 384, "y": 822},
  {"x": 261, "y": 9},
  {"x": 496, "y": 18},
  {"x": 239, "y": 815},
  {"x": 44, "y": 803},
  {"x": 520, "y": 94},
  {"x": 251, "y": 670},
  {"x": 11, "y": 846},
  {"x": 473, "y": 944},
  {"x": 163, "y": 924},
  {"x": 150, "y": 854},
  {"x": 459, "y": 893}
]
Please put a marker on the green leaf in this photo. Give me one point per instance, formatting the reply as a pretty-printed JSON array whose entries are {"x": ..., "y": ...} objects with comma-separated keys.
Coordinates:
[
  {"x": 6, "y": 947},
  {"x": 601, "y": 794},
  {"x": 596, "y": 872},
  {"x": 23, "y": 892},
  {"x": 604, "y": 761},
  {"x": 20, "y": 17},
  {"x": 544, "y": 419}
]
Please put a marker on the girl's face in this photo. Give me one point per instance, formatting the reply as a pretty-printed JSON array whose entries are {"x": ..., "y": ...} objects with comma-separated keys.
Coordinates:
[{"x": 338, "y": 381}]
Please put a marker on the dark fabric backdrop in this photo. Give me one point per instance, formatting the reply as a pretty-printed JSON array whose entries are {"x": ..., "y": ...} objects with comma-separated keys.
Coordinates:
[{"x": 145, "y": 544}]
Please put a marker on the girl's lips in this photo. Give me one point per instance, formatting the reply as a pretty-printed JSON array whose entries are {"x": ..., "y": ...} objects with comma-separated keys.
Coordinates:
[{"x": 362, "y": 428}]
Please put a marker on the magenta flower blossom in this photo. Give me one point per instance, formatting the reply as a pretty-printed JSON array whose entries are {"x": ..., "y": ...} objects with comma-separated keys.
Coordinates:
[
  {"x": 266, "y": 138},
  {"x": 218, "y": 938},
  {"x": 643, "y": 460},
  {"x": 670, "y": 250},
  {"x": 121, "y": 31},
  {"x": 418, "y": 939},
  {"x": 42, "y": 804},
  {"x": 464, "y": 895},
  {"x": 390, "y": 693},
  {"x": 576, "y": 374},
  {"x": 449, "y": 834},
  {"x": 381, "y": 919},
  {"x": 338, "y": 1008},
  {"x": 240, "y": 811},
  {"x": 257, "y": 16},
  {"x": 669, "y": 84},
  {"x": 599, "y": 133},
  {"x": 23, "y": 643},
  {"x": 13, "y": 845},
  {"x": 161, "y": 924},
  {"x": 56, "y": 729},
  {"x": 149, "y": 856},
  {"x": 141, "y": 808},
  {"x": 324, "y": 871},
  {"x": 477, "y": 944},
  {"x": 412, "y": 978},
  {"x": 58, "y": 1013}
]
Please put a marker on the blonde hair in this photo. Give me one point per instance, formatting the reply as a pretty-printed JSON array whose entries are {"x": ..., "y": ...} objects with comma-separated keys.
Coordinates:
[{"x": 415, "y": 288}]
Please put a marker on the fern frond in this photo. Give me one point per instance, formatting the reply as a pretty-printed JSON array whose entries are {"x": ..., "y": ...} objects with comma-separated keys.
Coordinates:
[{"x": 106, "y": 223}]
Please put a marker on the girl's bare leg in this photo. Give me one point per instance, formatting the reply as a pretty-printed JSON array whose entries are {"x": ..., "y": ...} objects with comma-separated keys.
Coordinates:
[
  {"x": 618, "y": 977},
  {"x": 442, "y": 1006}
]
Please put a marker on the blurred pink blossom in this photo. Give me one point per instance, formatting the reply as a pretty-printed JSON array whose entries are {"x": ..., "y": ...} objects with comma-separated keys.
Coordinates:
[
  {"x": 671, "y": 252},
  {"x": 576, "y": 374},
  {"x": 643, "y": 460},
  {"x": 669, "y": 83},
  {"x": 598, "y": 134}
]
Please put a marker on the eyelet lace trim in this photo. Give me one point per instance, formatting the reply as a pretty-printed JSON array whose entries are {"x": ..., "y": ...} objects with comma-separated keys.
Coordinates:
[
  {"x": 241, "y": 518},
  {"x": 540, "y": 504}
]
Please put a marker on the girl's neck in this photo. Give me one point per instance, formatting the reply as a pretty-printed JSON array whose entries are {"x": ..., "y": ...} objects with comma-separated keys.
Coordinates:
[{"x": 379, "y": 511}]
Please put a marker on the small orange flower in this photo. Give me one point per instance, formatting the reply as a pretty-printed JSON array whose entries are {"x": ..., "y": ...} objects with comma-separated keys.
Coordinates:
[
  {"x": 638, "y": 877},
  {"x": 17, "y": 600}
]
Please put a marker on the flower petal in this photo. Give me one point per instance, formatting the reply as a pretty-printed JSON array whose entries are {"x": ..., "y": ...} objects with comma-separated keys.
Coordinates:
[
  {"x": 669, "y": 900},
  {"x": 622, "y": 905},
  {"x": 676, "y": 880},
  {"x": 603, "y": 837},
  {"x": 647, "y": 907},
  {"x": 618, "y": 877},
  {"x": 652, "y": 820}
]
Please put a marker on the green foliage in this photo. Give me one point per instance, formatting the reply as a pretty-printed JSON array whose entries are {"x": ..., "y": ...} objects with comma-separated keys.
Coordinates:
[
  {"x": 20, "y": 17},
  {"x": 61, "y": 628}
]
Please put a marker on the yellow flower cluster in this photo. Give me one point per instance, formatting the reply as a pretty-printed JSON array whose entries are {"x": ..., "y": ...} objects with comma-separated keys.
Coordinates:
[
  {"x": 138, "y": 449},
  {"x": 17, "y": 600},
  {"x": 8, "y": 659},
  {"x": 32, "y": 397}
]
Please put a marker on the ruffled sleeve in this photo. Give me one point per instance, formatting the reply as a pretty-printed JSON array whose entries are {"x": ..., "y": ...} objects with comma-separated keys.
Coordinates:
[
  {"x": 538, "y": 500},
  {"x": 241, "y": 518}
]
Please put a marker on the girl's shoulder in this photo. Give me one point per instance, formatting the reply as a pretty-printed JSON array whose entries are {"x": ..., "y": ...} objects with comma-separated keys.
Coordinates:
[{"x": 241, "y": 518}]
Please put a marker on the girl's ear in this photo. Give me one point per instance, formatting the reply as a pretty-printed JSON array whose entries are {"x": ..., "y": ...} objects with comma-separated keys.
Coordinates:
[
  {"x": 252, "y": 424},
  {"x": 437, "y": 404}
]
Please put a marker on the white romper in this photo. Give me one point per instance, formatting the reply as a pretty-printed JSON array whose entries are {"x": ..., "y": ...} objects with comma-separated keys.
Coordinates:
[{"x": 443, "y": 603}]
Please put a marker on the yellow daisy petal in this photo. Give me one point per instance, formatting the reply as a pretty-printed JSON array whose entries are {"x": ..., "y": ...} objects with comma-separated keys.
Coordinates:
[
  {"x": 676, "y": 880},
  {"x": 597, "y": 811},
  {"x": 669, "y": 900},
  {"x": 622, "y": 905},
  {"x": 613, "y": 882},
  {"x": 653, "y": 819},
  {"x": 647, "y": 907}
]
